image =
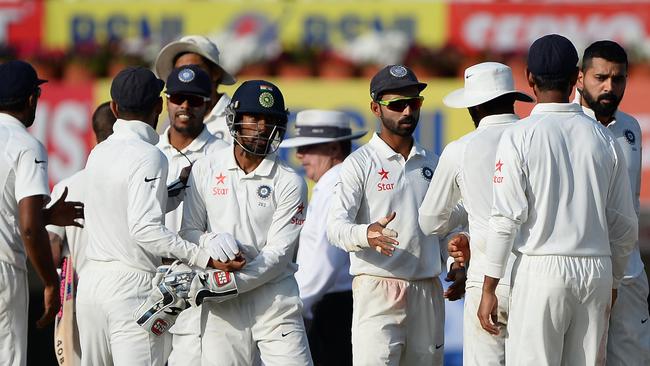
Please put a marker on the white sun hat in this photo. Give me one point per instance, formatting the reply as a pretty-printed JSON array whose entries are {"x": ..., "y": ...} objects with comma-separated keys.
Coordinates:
[
  {"x": 200, "y": 45},
  {"x": 484, "y": 82},
  {"x": 316, "y": 126}
]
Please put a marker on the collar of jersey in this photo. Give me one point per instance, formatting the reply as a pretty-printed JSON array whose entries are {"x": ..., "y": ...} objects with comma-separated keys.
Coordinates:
[
  {"x": 194, "y": 146},
  {"x": 387, "y": 152},
  {"x": 11, "y": 120},
  {"x": 498, "y": 119},
  {"x": 556, "y": 108},
  {"x": 263, "y": 170},
  {"x": 137, "y": 129}
]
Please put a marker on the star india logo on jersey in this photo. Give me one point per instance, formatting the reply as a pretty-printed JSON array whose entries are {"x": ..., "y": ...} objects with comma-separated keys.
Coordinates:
[{"x": 497, "y": 170}]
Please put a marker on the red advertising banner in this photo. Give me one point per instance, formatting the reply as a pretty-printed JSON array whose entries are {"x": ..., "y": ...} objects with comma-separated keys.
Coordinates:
[
  {"x": 21, "y": 25},
  {"x": 512, "y": 27}
]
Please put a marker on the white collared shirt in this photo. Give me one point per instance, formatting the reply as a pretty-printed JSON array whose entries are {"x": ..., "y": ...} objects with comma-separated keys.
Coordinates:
[
  {"x": 23, "y": 173},
  {"x": 216, "y": 120},
  {"x": 204, "y": 144},
  {"x": 561, "y": 179},
  {"x": 627, "y": 132},
  {"x": 74, "y": 238},
  {"x": 264, "y": 210},
  {"x": 322, "y": 267},
  {"x": 375, "y": 181},
  {"x": 465, "y": 172},
  {"x": 125, "y": 200}
]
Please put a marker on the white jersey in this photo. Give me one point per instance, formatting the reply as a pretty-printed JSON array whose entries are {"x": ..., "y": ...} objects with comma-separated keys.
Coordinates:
[
  {"x": 627, "y": 132},
  {"x": 264, "y": 210},
  {"x": 465, "y": 173},
  {"x": 563, "y": 179},
  {"x": 375, "y": 181},
  {"x": 204, "y": 144},
  {"x": 322, "y": 267},
  {"x": 125, "y": 199},
  {"x": 23, "y": 173},
  {"x": 74, "y": 238},
  {"x": 216, "y": 120}
]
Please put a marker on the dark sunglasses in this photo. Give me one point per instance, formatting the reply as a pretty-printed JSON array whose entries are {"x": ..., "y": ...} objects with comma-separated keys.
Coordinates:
[
  {"x": 399, "y": 104},
  {"x": 192, "y": 100}
]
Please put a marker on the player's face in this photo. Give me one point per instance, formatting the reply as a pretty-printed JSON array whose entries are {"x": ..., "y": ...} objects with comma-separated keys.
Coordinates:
[
  {"x": 603, "y": 85},
  {"x": 401, "y": 116},
  {"x": 258, "y": 131},
  {"x": 186, "y": 113},
  {"x": 316, "y": 159}
]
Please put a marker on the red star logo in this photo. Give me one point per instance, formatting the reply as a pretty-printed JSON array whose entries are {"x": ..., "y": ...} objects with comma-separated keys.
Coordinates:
[
  {"x": 499, "y": 164},
  {"x": 221, "y": 179},
  {"x": 300, "y": 209},
  {"x": 383, "y": 173}
]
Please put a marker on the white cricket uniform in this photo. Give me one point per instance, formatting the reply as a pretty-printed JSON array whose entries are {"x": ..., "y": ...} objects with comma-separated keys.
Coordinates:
[
  {"x": 124, "y": 210},
  {"x": 465, "y": 172},
  {"x": 398, "y": 308},
  {"x": 216, "y": 120},
  {"x": 264, "y": 210},
  {"x": 23, "y": 173},
  {"x": 560, "y": 179},
  {"x": 322, "y": 267},
  {"x": 186, "y": 332},
  {"x": 628, "y": 342}
]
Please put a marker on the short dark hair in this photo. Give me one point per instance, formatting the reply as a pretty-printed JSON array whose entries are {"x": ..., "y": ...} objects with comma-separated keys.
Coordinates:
[
  {"x": 546, "y": 83},
  {"x": 608, "y": 50},
  {"x": 346, "y": 148},
  {"x": 103, "y": 121}
]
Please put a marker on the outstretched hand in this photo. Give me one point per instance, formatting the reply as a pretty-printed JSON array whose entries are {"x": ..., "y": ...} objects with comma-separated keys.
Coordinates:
[
  {"x": 381, "y": 238},
  {"x": 64, "y": 213}
]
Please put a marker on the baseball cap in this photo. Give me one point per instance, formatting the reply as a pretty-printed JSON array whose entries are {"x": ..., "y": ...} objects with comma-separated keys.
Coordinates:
[
  {"x": 393, "y": 77},
  {"x": 484, "y": 82},
  {"x": 18, "y": 80},
  {"x": 136, "y": 88},
  {"x": 189, "y": 79},
  {"x": 553, "y": 56},
  {"x": 200, "y": 45},
  {"x": 315, "y": 126}
]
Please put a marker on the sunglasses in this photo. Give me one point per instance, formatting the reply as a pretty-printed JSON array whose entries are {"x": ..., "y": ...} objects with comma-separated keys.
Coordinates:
[
  {"x": 192, "y": 100},
  {"x": 399, "y": 104}
]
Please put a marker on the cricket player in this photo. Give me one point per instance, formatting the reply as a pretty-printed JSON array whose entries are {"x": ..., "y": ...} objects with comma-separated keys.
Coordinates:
[
  {"x": 183, "y": 142},
  {"x": 250, "y": 193},
  {"x": 464, "y": 172},
  {"x": 600, "y": 88},
  {"x": 199, "y": 50},
  {"x": 561, "y": 180},
  {"x": 125, "y": 204},
  {"x": 24, "y": 193},
  {"x": 323, "y": 140},
  {"x": 398, "y": 312},
  {"x": 70, "y": 243}
]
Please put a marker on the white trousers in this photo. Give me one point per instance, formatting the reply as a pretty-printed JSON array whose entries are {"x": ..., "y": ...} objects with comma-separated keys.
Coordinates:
[
  {"x": 186, "y": 338},
  {"x": 14, "y": 302},
  {"x": 479, "y": 347},
  {"x": 628, "y": 342},
  {"x": 559, "y": 311},
  {"x": 397, "y": 322},
  {"x": 265, "y": 321},
  {"x": 107, "y": 297}
]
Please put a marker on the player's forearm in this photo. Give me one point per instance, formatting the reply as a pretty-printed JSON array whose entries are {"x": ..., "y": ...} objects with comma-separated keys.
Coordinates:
[
  {"x": 499, "y": 245},
  {"x": 38, "y": 251},
  {"x": 159, "y": 241},
  {"x": 349, "y": 237}
]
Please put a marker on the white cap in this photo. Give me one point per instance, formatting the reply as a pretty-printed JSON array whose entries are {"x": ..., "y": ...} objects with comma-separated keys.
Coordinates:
[
  {"x": 484, "y": 82},
  {"x": 200, "y": 45},
  {"x": 315, "y": 126}
]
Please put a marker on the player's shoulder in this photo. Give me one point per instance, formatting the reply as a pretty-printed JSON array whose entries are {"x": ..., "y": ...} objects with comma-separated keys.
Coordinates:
[{"x": 628, "y": 121}]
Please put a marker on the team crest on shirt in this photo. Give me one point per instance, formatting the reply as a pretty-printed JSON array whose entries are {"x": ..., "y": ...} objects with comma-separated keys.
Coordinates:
[
  {"x": 264, "y": 191},
  {"x": 498, "y": 166},
  {"x": 629, "y": 137},
  {"x": 427, "y": 173},
  {"x": 381, "y": 186}
]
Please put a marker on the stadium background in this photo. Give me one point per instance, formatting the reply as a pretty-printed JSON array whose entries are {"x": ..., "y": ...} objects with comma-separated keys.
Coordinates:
[{"x": 322, "y": 54}]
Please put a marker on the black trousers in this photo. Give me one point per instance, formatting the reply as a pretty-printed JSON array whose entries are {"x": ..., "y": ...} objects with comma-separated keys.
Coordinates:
[{"x": 330, "y": 333}]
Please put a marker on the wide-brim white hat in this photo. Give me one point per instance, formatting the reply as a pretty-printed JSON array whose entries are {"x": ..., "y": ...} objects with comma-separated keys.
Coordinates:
[
  {"x": 315, "y": 126},
  {"x": 200, "y": 45},
  {"x": 483, "y": 83}
]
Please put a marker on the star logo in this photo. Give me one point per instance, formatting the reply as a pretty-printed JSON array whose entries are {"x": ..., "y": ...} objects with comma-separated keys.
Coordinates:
[
  {"x": 383, "y": 173},
  {"x": 221, "y": 179},
  {"x": 498, "y": 165},
  {"x": 300, "y": 209}
]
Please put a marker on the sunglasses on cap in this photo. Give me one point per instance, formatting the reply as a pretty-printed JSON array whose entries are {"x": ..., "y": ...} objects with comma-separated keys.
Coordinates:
[
  {"x": 192, "y": 100},
  {"x": 399, "y": 104}
]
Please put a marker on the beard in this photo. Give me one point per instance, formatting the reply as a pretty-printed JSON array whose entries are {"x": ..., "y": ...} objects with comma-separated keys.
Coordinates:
[
  {"x": 403, "y": 127},
  {"x": 600, "y": 109}
]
